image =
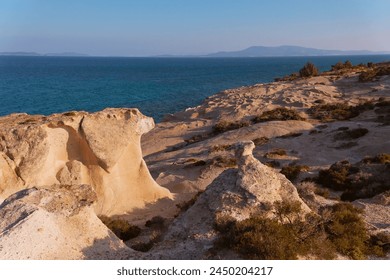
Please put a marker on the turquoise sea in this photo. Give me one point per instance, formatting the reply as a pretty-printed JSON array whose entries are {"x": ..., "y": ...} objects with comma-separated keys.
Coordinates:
[{"x": 157, "y": 86}]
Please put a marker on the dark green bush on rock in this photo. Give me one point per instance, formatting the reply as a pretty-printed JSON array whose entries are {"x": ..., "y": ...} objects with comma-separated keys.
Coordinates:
[
  {"x": 364, "y": 179},
  {"x": 346, "y": 230},
  {"x": 338, "y": 228},
  {"x": 309, "y": 70}
]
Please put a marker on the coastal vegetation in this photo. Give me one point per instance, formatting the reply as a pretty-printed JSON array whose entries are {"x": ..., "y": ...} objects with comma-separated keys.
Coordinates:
[
  {"x": 278, "y": 114},
  {"x": 309, "y": 70},
  {"x": 364, "y": 179},
  {"x": 338, "y": 229}
]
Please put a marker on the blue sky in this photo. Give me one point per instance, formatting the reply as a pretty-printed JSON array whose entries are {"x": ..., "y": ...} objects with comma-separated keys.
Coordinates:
[{"x": 151, "y": 27}]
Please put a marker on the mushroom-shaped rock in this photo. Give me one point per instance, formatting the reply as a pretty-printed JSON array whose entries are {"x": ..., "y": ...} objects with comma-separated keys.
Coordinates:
[{"x": 101, "y": 149}]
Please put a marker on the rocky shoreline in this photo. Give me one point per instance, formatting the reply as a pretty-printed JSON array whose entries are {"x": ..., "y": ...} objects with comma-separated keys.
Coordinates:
[{"x": 310, "y": 142}]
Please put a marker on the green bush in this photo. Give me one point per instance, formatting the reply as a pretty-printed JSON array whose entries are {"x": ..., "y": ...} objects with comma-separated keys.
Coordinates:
[
  {"x": 259, "y": 237},
  {"x": 309, "y": 70},
  {"x": 347, "y": 231},
  {"x": 340, "y": 66},
  {"x": 338, "y": 228},
  {"x": 364, "y": 179},
  {"x": 336, "y": 177}
]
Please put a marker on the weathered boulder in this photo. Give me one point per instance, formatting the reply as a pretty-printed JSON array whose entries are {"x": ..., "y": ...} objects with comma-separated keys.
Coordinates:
[
  {"x": 101, "y": 149},
  {"x": 239, "y": 193},
  {"x": 57, "y": 223}
]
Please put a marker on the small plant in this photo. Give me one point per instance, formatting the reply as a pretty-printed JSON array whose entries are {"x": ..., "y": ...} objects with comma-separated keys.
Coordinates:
[
  {"x": 340, "y": 66},
  {"x": 292, "y": 171},
  {"x": 347, "y": 231},
  {"x": 260, "y": 141},
  {"x": 364, "y": 179},
  {"x": 338, "y": 111},
  {"x": 223, "y": 162},
  {"x": 223, "y": 126},
  {"x": 336, "y": 177},
  {"x": 278, "y": 114},
  {"x": 281, "y": 238},
  {"x": 309, "y": 70},
  {"x": 381, "y": 158},
  {"x": 374, "y": 73},
  {"x": 121, "y": 228},
  {"x": 275, "y": 152},
  {"x": 322, "y": 192},
  {"x": 220, "y": 148}
]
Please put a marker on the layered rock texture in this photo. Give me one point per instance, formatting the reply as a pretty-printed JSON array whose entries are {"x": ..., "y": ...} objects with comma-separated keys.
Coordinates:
[
  {"x": 238, "y": 193},
  {"x": 101, "y": 149},
  {"x": 56, "y": 224}
]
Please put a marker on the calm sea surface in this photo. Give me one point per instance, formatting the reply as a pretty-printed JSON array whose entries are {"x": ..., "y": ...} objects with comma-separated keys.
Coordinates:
[{"x": 157, "y": 86}]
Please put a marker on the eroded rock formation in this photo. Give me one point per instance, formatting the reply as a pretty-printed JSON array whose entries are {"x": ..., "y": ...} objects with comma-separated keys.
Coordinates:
[
  {"x": 252, "y": 188},
  {"x": 56, "y": 224},
  {"x": 101, "y": 149}
]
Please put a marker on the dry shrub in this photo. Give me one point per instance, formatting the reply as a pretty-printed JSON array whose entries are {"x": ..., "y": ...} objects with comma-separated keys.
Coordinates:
[
  {"x": 221, "y": 161},
  {"x": 259, "y": 237},
  {"x": 364, "y": 179},
  {"x": 121, "y": 228},
  {"x": 278, "y": 114},
  {"x": 220, "y": 148},
  {"x": 309, "y": 70},
  {"x": 260, "y": 141},
  {"x": 293, "y": 170},
  {"x": 374, "y": 73},
  {"x": 346, "y": 230},
  {"x": 338, "y": 228},
  {"x": 338, "y": 111},
  {"x": 381, "y": 158},
  {"x": 275, "y": 152},
  {"x": 223, "y": 126}
]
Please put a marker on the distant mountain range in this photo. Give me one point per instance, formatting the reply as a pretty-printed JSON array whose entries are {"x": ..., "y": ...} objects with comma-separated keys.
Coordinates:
[
  {"x": 261, "y": 51},
  {"x": 255, "y": 51},
  {"x": 38, "y": 54}
]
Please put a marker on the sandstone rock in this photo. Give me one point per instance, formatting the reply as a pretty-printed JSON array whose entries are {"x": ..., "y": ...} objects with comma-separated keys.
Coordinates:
[
  {"x": 101, "y": 149},
  {"x": 238, "y": 193},
  {"x": 56, "y": 224}
]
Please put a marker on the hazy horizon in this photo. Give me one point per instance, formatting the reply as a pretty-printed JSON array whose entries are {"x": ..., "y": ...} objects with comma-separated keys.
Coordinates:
[{"x": 151, "y": 27}]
